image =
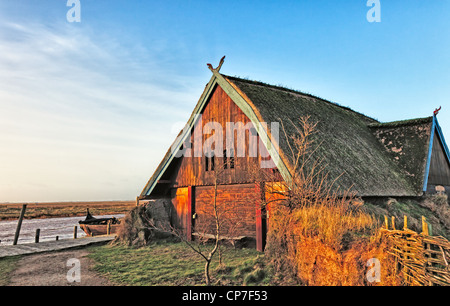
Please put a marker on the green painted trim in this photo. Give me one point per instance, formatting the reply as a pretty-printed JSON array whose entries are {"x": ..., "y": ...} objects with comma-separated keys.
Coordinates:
[
  {"x": 249, "y": 112},
  {"x": 191, "y": 122}
]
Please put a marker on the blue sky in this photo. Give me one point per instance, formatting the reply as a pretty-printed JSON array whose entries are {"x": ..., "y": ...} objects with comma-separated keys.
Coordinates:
[{"x": 87, "y": 110}]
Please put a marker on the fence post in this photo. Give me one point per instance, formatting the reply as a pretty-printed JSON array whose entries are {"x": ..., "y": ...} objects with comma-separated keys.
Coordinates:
[
  {"x": 108, "y": 227},
  {"x": 19, "y": 223},
  {"x": 405, "y": 222},
  {"x": 75, "y": 228},
  {"x": 36, "y": 237},
  {"x": 424, "y": 226},
  {"x": 386, "y": 222},
  {"x": 393, "y": 222}
]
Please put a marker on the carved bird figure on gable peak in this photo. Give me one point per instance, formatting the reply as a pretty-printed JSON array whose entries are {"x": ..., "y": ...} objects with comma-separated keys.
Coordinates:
[{"x": 436, "y": 111}]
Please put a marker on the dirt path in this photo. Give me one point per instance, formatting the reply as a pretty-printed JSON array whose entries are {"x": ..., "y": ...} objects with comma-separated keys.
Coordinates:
[{"x": 51, "y": 269}]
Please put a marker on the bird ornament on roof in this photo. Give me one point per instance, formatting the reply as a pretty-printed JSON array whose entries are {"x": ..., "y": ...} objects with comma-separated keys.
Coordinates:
[
  {"x": 436, "y": 111},
  {"x": 218, "y": 67}
]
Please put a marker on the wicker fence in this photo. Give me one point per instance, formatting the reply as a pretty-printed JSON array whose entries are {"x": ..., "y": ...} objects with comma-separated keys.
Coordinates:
[{"x": 422, "y": 259}]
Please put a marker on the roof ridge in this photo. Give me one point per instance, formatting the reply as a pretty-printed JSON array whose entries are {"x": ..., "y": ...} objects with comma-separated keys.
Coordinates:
[
  {"x": 278, "y": 87},
  {"x": 399, "y": 123}
]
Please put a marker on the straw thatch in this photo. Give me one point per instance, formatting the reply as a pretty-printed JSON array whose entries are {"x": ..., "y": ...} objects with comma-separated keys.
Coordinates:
[
  {"x": 374, "y": 159},
  {"x": 350, "y": 143}
]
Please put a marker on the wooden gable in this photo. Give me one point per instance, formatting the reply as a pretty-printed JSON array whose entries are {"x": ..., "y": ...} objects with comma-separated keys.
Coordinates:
[
  {"x": 439, "y": 164},
  {"x": 197, "y": 169}
]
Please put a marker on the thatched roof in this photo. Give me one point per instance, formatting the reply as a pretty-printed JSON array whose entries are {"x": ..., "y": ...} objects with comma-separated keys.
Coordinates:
[
  {"x": 348, "y": 140},
  {"x": 407, "y": 144},
  {"x": 373, "y": 158}
]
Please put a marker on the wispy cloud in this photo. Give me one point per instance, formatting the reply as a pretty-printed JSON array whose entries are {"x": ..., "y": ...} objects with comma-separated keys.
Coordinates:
[{"x": 82, "y": 116}]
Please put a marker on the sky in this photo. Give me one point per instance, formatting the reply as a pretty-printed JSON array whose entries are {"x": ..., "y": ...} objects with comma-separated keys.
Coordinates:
[{"x": 88, "y": 109}]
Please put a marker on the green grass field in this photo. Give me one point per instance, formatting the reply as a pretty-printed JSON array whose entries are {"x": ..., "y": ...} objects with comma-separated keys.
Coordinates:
[
  {"x": 175, "y": 264},
  {"x": 7, "y": 265}
]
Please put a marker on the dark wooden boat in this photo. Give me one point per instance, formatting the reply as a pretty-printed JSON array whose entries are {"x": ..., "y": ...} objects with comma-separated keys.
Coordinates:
[{"x": 99, "y": 226}]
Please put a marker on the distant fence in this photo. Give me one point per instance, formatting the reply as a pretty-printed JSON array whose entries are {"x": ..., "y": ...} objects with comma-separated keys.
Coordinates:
[{"x": 422, "y": 259}]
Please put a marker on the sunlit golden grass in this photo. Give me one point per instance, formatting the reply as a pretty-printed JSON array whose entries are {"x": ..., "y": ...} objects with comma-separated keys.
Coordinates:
[
  {"x": 331, "y": 222},
  {"x": 327, "y": 244}
]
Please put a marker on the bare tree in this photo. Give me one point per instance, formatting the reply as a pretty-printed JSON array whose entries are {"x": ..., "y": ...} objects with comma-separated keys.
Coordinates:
[
  {"x": 309, "y": 183},
  {"x": 218, "y": 216}
]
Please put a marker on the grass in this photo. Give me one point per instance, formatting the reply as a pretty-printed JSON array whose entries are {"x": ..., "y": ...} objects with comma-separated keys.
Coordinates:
[
  {"x": 323, "y": 244},
  {"x": 11, "y": 211},
  {"x": 7, "y": 265},
  {"x": 414, "y": 210},
  {"x": 175, "y": 264}
]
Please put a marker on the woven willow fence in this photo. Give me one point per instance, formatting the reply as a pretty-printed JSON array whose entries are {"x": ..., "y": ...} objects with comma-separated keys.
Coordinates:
[{"x": 423, "y": 259}]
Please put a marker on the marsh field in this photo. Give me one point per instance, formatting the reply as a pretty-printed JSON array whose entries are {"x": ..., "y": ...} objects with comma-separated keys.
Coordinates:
[{"x": 11, "y": 211}]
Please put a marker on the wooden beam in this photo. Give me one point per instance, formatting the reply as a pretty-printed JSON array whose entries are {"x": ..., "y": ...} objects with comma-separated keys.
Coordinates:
[
  {"x": 424, "y": 226},
  {"x": 190, "y": 208},
  {"x": 19, "y": 224},
  {"x": 220, "y": 63},
  {"x": 259, "y": 219},
  {"x": 36, "y": 236}
]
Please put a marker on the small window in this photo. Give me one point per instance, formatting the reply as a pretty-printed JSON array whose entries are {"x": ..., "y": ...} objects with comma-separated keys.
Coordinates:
[
  {"x": 225, "y": 162},
  {"x": 228, "y": 161},
  {"x": 212, "y": 162},
  {"x": 209, "y": 163}
]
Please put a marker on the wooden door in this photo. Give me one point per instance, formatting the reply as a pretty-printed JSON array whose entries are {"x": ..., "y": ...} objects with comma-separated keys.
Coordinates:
[{"x": 182, "y": 203}]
